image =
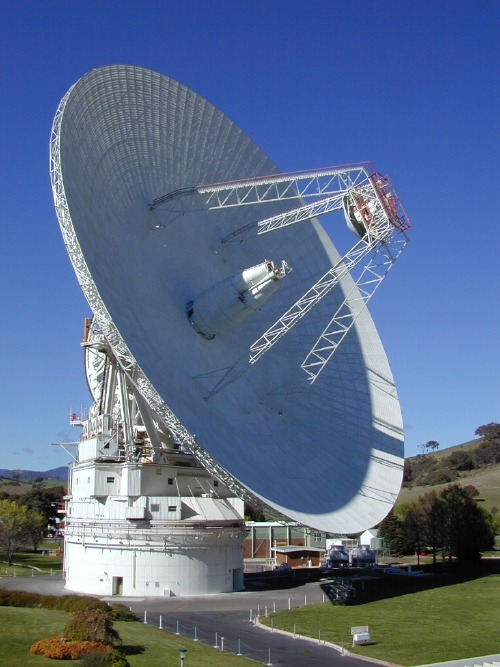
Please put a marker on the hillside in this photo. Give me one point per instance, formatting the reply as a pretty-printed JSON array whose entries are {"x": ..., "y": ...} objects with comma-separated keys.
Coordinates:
[
  {"x": 59, "y": 474},
  {"x": 471, "y": 463}
]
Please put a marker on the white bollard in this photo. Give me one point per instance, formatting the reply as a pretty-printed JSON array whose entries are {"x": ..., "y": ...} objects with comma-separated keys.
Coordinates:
[
  {"x": 145, "y": 617},
  {"x": 161, "y": 627}
]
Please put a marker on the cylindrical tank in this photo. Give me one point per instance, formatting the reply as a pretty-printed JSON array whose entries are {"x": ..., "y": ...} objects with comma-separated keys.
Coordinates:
[{"x": 233, "y": 299}]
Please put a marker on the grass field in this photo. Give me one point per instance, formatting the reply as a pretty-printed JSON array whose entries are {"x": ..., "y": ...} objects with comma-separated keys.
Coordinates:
[
  {"x": 486, "y": 480},
  {"x": 145, "y": 646},
  {"x": 439, "y": 624},
  {"x": 25, "y": 560}
]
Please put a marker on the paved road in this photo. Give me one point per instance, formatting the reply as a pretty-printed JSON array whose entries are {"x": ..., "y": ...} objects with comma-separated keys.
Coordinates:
[{"x": 230, "y": 616}]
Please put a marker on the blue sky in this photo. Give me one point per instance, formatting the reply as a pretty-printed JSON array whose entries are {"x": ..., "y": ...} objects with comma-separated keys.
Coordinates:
[{"x": 411, "y": 86}]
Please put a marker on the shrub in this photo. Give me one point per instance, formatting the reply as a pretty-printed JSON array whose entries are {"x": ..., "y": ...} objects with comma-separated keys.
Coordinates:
[
  {"x": 58, "y": 648},
  {"x": 407, "y": 471},
  {"x": 77, "y": 603},
  {"x": 460, "y": 461},
  {"x": 91, "y": 625},
  {"x": 486, "y": 453},
  {"x": 19, "y": 599},
  {"x": 114, "y": 658},
  {"x": 120, "y": 612},
  {"x": 69, "y": 603},
  {"x": 439, "y": 477}
]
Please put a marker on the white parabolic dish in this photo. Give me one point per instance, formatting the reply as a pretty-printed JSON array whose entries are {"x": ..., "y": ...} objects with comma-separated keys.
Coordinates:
[{"x": 328, "y": 455}]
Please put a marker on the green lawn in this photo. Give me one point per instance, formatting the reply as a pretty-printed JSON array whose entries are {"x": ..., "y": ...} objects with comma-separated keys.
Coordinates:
[
  {"x": 145, "y": 646},
  {"x": 29, "y": 559},
  {"x": 440, "y": 624}
]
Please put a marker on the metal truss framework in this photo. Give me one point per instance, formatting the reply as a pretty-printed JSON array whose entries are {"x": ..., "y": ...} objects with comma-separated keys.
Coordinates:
[{"x": 384, "y": 223}]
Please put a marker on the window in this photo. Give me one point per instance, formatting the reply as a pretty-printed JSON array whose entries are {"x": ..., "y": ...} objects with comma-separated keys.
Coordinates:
[
  {"x": 216, "y": 483},
  {"x": 155, "y": 507},
  {"x": 110, "y": 480},
  {"x": 170, "y": 480},
  {"x": 172, "y": 508}
]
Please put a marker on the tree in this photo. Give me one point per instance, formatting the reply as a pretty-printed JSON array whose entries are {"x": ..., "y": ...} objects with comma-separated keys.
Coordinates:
[
  {"x": 489, "y": 431},
  {"x": 431, "y": 445},
  {"x": 466, "y": 528},
  {"x": 413, "y": 528},
  {"x": 432, "y": 509},
  {"x": 451, "y": 521},
  {"x": 14, "y": 520},
  {"x": 394, "y": 532},
  {"x": 35, "y": 528},
  {"x": 45, "y": 501}
]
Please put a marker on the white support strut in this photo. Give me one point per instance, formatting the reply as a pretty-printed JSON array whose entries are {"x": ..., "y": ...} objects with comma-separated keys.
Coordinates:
[
  {"x": 373, "y": 273},
  {"x": 383, "y": 234}
]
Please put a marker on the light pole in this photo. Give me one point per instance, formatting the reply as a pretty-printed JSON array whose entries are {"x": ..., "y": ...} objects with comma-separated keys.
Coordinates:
[{"x": 182, "y": 653}]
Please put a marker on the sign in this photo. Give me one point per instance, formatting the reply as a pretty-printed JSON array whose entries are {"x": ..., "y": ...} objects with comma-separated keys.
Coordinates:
[{"x": 359, "y": 630}]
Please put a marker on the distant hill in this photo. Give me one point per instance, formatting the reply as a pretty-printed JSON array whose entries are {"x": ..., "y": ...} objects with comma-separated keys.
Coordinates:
[
  {"x": 59, "y": 474},
  {"x": 475, "y": 463}
]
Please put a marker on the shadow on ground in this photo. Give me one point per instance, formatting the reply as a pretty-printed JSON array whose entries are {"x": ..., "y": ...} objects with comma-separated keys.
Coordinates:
[
  {"x": 370, "y": 585},
  {"x": 359, "y": 585},
  {"x": 132, "y": 649}
]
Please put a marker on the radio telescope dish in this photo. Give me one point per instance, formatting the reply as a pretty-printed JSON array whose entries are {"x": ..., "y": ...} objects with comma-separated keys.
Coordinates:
[{"x": 183, "y": 284}]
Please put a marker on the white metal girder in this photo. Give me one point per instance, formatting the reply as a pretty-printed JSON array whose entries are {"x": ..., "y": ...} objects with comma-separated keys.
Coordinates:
[
  {"x": 370, "y": 279},
  {"x": 385, "y": 223},
  {"x": 295, "y": 313},
  {"x": 277, "y": 187},
  {"x": 327, "y": 205}
]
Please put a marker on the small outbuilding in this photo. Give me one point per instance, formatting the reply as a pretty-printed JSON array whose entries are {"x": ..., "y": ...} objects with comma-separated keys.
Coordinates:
[{"x": 298, "y": 556}]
